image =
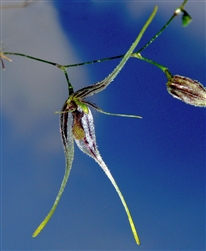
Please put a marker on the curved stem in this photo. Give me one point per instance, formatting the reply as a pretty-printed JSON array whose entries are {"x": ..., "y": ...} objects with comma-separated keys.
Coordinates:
[
  {"x": 161, "y": 67},
  {"x": 176, "y": 13}
]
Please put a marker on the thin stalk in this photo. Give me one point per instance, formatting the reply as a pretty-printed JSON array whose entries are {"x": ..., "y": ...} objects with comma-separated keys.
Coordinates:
[
  {"x": 161, "y": 67},
  {"x": 176, "y": 13},
  {"x": 30, "y": 57},
  {"x": 70, "y": 87}
]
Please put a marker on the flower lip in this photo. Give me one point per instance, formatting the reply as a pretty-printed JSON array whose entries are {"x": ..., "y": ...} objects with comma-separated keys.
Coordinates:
[{"x": 77, "y": 128}]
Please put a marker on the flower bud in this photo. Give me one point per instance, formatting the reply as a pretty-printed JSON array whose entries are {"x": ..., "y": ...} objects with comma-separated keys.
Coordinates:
[
  {"x": 188, "y": 90},
  {"x": 186, "y": 19}
]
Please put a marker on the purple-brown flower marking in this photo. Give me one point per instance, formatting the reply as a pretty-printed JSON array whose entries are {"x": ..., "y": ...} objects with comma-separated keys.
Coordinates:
[
  {"x": 82, "y": 125},
  {"x": 77, "y": 129},
  {"x": 188, "y": 90},
  {"x": 76, "y": 123}
]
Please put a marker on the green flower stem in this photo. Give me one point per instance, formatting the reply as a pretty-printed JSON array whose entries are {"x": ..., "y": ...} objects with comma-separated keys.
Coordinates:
[
  {"x": 161, "y": 67},
  {"x": 70, "y": 87},
  {"x": 63, "y": 68},
  {"x": 176, "y": 13},
  {"x": 183, "y": 5},
  {"x": 30, "y": 57}
]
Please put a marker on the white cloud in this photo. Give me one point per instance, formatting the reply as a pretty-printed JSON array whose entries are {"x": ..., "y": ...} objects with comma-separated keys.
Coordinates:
[{"x": 32, "y": 91}]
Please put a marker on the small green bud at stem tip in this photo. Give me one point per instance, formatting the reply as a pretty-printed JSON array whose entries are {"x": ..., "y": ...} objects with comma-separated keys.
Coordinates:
[{"x": 186, "y": 19}]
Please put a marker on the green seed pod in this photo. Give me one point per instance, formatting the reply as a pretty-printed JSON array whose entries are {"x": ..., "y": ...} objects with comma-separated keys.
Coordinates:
[{"x": 188, "y": 90}]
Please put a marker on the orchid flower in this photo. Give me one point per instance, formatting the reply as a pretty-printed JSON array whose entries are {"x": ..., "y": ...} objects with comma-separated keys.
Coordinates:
[
  {"x": 188, "y": 90},
  {"x": 76, "y": 123}
]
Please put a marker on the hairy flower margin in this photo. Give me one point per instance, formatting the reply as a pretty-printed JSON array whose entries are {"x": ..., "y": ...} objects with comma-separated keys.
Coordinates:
[
  {"x": 183, "y": 88},
  {"x": 76, "y": 124},
  {"x": 188, "y": 90},
  {"x": 76, "y": 121}
]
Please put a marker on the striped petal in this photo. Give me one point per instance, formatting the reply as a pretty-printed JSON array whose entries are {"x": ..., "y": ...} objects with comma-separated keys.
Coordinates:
[
  {"x": 66, "y": 121},
  {"x": 84, "y": 135}
]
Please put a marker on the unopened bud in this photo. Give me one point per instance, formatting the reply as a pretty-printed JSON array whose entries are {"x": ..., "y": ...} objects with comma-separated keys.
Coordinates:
[
  {"x": 188, "y": 90},
  {"x": 186, "y": 19}
]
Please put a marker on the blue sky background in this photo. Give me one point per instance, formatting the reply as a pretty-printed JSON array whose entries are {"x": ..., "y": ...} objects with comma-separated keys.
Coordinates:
[{"x": 158, "y": 161}]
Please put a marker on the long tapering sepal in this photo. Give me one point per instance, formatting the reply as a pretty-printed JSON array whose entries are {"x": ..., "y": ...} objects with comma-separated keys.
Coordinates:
[
  {"x": 84, "y": 134},
  {"x": 66, "y": 121}
]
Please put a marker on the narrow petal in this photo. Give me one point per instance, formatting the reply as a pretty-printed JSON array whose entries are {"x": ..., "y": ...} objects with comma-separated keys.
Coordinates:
[
  {"x": 66, "y": 122},
  {"x": 112, "y": 114},
  {"x": 87, "y": 144},
  {"x": 100, "y": 86}
]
